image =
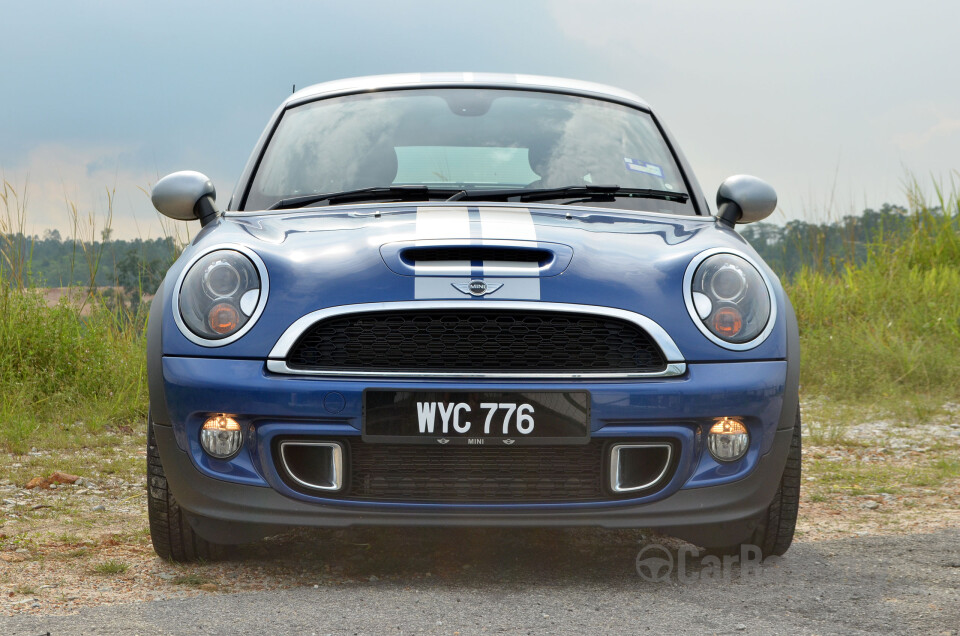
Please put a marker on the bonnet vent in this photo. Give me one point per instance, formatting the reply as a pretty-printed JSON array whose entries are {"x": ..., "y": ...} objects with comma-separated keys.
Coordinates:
[
  {"x": 505, "y": 259},
  {"x": 427, "y": 255}
]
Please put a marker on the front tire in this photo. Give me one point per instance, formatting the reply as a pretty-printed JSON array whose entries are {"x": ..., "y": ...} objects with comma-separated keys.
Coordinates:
[
  {"x": 775, "y": 528},
  {"x": 173, "y": 538},
  {"x": 775, "y": 533}
]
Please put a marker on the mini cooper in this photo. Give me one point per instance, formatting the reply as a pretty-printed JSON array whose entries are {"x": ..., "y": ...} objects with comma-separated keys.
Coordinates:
[{"x": 470, "y": 300}]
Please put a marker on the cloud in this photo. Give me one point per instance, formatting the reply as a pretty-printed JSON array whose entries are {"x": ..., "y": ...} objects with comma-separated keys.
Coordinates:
[
  {"x": 55, "y": 180},
  {"x": 825, "y": 109},
  {"x": 938, "y": 133}
]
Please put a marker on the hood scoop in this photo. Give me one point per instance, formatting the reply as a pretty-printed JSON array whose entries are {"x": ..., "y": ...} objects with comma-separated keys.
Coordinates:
[
  {"x": 478, "y": 253},
  {"x": 451, "y": 258}
]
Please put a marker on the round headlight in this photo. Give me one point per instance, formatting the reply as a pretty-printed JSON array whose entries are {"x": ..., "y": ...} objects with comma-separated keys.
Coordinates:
[
  {"x": 727, "y": 282},
  {"x": 221, "y": 279},
  {"x": 220, "y": 294},
  {"x": 729, "y": 300}
]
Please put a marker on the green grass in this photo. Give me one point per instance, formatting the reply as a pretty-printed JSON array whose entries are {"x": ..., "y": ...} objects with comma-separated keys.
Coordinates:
[
  {"x": 946, "y": 468},
  {"x": 887, "y": 333},
  {"x": 192, "y": 579},
  {"x": 865, "y": 478},
  {"x": 111, "y": 567},
  {"x": 67, "y": 376},
  {"x": 71, "y": 372},
  {"x": 823, "y": 431}
]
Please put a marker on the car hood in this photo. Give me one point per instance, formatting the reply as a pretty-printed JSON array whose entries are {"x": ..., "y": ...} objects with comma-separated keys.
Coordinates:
[{"x": 344, "y": 255}]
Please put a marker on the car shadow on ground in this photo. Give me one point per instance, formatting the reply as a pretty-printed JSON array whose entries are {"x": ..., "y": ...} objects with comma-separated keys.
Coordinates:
[{"x": 516, "y": 556}]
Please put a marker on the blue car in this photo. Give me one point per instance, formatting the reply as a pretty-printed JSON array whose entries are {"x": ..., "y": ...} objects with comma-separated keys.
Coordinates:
[{"x": 470, "y": 300}]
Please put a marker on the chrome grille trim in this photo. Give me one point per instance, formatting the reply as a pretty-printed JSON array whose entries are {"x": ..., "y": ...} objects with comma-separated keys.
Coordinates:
[
  {"x": 277, "y": 357},
  {"x": 280, "y": 366}
]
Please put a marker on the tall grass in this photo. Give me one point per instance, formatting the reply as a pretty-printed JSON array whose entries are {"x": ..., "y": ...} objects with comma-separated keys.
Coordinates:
[
  {"x": 62, "y": 370},
  {"x": 67, "y": 372},
  {"x": 889, "y": 328}
]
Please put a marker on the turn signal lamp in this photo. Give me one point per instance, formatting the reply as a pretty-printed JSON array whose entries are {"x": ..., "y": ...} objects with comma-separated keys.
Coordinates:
[
  {"x": 727, "y": 322},
  {"x": 224, "y": 318}
]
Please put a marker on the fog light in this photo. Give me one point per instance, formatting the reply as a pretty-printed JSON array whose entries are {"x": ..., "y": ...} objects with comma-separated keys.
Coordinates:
[
  {"x": 221, "y": 436},
  {"x": 728, "y": 439}
]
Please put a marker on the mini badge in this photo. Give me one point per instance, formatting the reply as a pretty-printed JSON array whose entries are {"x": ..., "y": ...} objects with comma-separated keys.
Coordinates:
[
  {"x": 636, "y": 165},
  {"x": 477, "y": 287}
]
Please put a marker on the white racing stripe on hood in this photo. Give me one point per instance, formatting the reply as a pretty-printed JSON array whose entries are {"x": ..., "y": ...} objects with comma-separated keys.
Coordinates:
[
  {"x": 440, "y": 268},
  {"x": 514, "y": 288},
  {"x": 503, "y": 226},
  {"x": 499, "y": 226},
  {"x": 510, "y": 268},
  {"x": 438, "y": 224},
  {"x": 506, "y": 224},
  {"x": 442, "y": 223}
]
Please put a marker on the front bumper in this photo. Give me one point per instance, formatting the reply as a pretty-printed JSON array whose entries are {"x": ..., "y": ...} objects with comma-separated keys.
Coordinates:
[
  {"x": 702, "y": 492},
  {"x": 713, "y": 515}
]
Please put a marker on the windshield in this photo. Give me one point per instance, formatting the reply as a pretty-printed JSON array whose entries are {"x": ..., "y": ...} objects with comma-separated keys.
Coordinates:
[{"x": 466, "y": 139}]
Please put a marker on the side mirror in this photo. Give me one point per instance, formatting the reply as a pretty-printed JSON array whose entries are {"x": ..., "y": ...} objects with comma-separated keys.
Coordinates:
[
  {"x": 744, "y": 199},
  {"x": 185, "y": 196}
]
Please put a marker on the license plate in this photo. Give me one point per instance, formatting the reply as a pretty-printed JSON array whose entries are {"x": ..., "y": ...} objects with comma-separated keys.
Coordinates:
[{"x": 484, "y": 418}]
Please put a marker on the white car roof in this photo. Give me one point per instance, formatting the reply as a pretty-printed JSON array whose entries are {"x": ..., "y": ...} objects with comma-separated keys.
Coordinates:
[{"x": 486, "y": 80}]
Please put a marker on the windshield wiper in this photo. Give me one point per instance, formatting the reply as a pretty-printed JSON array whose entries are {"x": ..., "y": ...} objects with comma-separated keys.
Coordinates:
[
  {"x": 376, "y": 193},
  {"x": 580, "y": 192},
  {"x": 426, "y": 193}
]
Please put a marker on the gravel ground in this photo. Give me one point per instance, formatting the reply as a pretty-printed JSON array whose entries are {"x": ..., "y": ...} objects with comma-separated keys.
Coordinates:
[
  {"x": 470, "y": 582},
  {"x": 877, "y": 541}
]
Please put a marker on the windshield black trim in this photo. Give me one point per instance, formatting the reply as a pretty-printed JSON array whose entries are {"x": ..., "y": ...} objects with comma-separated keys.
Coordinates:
[{"x": 377, "y": 208}]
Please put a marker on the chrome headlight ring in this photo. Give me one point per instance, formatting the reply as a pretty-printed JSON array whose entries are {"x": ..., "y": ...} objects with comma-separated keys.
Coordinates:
[
  {"x": 204, "y": 280},
  {"x": 733, "y": 271}
]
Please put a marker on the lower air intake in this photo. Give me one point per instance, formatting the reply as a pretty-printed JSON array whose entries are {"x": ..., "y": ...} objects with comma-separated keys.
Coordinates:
[{"x": 480, "y": 474}]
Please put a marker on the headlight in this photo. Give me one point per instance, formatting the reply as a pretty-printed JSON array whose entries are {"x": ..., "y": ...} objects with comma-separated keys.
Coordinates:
[
  {"x": 221, "y": 294},
  {"x": 729, "y": 299}
]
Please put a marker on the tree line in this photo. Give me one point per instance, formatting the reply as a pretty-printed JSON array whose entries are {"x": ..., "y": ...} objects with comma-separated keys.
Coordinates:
[
  {"x": 829, "y": 246},
  {"x": 135, "y": 265},
  {"x": 138, "y": 266}
]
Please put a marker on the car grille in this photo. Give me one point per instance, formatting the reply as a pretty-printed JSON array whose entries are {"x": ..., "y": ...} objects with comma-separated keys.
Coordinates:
[
  {"x": 474, "y": 474},
  {"x": 471, "y": 341}
]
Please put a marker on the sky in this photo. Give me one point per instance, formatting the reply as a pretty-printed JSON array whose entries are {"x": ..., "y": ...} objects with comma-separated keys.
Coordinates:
[{"x": 834, "y": 103}]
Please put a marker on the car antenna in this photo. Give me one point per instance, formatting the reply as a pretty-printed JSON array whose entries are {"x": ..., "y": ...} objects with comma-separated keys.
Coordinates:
[{"x": 294, "y": 89}]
